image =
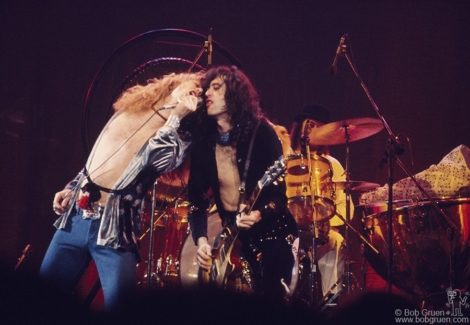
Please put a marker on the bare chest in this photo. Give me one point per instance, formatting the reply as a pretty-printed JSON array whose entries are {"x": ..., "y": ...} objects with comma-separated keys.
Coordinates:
[{"x": 120, "y": 141}]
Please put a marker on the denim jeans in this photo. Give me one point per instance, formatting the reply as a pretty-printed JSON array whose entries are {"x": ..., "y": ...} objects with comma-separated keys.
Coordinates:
[{"x": 70, "y": 253}]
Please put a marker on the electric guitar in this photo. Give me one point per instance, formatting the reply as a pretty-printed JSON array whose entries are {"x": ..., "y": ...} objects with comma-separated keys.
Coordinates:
[{"x": 226, "y": 264}]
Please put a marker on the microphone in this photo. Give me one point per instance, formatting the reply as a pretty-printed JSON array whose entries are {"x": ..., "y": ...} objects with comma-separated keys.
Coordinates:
[
  {"x": 333, "y": 68},
  {"x": 304, "y": 138},
  {"x": 171, "y": 106}
]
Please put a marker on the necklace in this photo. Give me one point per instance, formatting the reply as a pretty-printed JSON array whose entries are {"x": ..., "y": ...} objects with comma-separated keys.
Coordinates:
[{"x": 223, "y": 138}]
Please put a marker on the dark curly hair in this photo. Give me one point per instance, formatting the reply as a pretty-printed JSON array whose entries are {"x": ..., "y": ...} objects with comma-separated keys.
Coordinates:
[{"x": 242, "y": 103}]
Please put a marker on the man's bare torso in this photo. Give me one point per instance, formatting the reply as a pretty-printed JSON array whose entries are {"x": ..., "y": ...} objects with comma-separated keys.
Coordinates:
[
  {"x": 122, "y": 138},
  {"x": 229, "y": 179}
]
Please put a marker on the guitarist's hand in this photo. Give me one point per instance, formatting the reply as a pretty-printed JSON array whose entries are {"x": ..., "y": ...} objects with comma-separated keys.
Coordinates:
[
  {"x": 246, "y": 221},
  {"x": 204, "y": 253}
]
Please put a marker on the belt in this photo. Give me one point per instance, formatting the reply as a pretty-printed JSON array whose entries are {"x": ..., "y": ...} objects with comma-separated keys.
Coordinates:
[{"x": 90, "y": 214}]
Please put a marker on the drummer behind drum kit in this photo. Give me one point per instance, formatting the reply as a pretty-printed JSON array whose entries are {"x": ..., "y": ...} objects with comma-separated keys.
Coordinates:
[{"x": 311, "y": 194}]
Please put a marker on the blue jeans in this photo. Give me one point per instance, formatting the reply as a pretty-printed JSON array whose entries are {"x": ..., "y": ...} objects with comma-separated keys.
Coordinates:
[{"x": 70, "y": 253}]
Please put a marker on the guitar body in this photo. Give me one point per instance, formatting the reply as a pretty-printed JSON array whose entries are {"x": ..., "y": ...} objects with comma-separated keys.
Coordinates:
[
  {"x": 226, "y": 267},
  {"x": 189, "y": 271}
]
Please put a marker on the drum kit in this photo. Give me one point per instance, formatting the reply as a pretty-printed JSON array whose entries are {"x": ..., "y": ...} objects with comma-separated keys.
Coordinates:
[
  {"x": 429, "y": 255},
  {"x": 312, "y": 193},
  {"x": 161, "y": 244},
  {"x": 419, "y": 233}
]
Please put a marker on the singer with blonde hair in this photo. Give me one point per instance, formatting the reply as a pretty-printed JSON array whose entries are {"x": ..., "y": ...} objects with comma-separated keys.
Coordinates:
[{"x": 100, "y": 210}]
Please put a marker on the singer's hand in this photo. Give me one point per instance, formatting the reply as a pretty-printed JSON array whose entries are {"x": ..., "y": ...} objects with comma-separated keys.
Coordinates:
[
  {"x": 186, "y": 105},
  {"x": 61, "y": 201}
]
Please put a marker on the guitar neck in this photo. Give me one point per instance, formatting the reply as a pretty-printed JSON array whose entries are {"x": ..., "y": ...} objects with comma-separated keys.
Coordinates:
[
  {"x": 254, "y": 196},
  {"x": 273, "y": 173}
]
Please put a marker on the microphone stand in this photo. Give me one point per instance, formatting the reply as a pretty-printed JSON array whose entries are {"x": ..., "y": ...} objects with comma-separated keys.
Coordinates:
[
  {"x": 206, "y": 47},
  {"x": 395, "y": 149},
  {"x": 306, "y": 150},
  {"x": 313, "y": 268}
]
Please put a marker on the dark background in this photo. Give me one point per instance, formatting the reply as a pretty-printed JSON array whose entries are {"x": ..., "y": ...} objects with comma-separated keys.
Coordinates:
[{"x": 412, "y": 56}]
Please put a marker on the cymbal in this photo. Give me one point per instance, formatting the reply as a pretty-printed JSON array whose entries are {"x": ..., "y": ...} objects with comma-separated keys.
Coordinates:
[
  {"x": 356, "y": 185},
  {"x": 334, "y": 133}
]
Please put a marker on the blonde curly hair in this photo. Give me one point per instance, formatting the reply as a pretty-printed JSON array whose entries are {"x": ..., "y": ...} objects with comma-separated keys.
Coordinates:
[{"x": 140, "y": 98}]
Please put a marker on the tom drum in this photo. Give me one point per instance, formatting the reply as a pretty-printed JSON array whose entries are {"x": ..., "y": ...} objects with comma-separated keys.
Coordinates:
[{"x": 301, "y": 188}]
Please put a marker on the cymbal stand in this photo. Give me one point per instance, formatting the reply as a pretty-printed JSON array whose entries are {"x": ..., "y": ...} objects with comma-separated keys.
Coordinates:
[
  {"x": 394, "y": 149},
  {"x": 348, "y": 213},
  {"x": 330, "y": 295},
  {"x": 347, "y": 236},
  {"x": 152, "y": 277}
]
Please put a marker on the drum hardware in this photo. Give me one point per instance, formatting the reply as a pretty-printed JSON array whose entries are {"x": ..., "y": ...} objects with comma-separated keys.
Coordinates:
[
  {"x": 169, "y": 263},
  {"x": 340, "y": 132},
  {"x": 348, "y": 209},
  {"x": 394, "y": 148},
  {"x": 348, "y": 188},
  {"x": 149, "y": 274},
  {"x": 155, "y": 280},
  {"x": 25, "y": 253},
  {"x": 362, "y": 238},
  {"x": 355, "y": 185},
  {"x": 351, "y": 281},
  {"x": 166, "y": 215},
  {"x": 330, "y": 296}
]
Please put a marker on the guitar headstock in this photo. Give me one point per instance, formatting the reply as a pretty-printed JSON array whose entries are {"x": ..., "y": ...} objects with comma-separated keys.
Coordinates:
[{"x": 273, "y": 172}]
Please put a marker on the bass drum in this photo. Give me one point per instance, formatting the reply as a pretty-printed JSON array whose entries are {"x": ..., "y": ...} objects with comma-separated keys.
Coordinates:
[
  {"x": 188, "y": 264},
  {"x": 423, "y": 245}
]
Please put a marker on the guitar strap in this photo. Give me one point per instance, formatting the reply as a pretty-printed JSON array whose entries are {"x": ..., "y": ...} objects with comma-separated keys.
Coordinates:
[{"x": 241, "y": 189}]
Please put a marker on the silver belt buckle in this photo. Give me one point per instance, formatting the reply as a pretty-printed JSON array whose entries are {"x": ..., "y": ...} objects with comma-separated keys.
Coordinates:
[{"x": 91, "y": 214}]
